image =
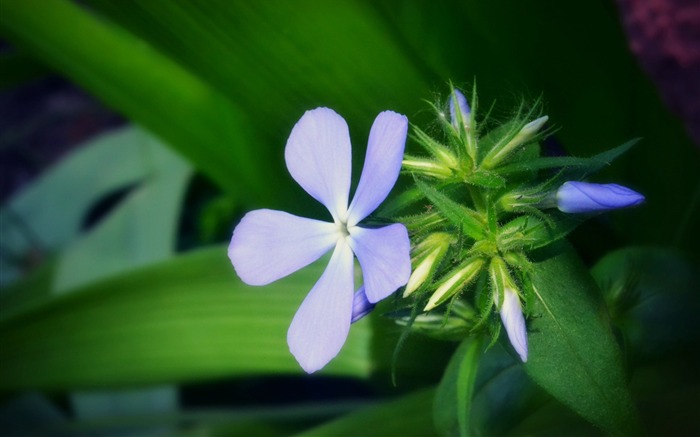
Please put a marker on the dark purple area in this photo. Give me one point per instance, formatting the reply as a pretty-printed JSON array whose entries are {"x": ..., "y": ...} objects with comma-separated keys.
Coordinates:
[{"x": 664, "y": 35}]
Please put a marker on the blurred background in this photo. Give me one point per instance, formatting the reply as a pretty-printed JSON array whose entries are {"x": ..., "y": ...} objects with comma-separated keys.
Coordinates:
[{"x": 134, "y": 134}]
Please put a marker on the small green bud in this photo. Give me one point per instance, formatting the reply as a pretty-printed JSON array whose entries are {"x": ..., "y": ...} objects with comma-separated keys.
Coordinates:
[
  {"x": 430, "y": 252},
  {"x": 500, "y": 279},
  {"x": 456, "y": 325},
  {"x": 423, "y": 222},
  {"x": 426, "y": 167},
  {"x": 516, "y": 200},
  {"x": 455, "y": 281},
  {"x": 439, "y": 151},
  {"x": 497, "y": 155}
]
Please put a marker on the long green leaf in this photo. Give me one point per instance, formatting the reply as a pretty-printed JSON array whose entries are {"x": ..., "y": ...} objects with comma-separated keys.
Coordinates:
[
  {"x": 573, "y": 354},
  {"x": 185, "y": 319},
  {"x": 453, "y": 398},
  {"x": 136, "y": 79},
  {"x": 49, "y": 214}
]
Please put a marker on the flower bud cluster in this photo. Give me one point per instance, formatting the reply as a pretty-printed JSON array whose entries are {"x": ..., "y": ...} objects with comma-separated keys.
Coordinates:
[{"x": 486, "y": 198}]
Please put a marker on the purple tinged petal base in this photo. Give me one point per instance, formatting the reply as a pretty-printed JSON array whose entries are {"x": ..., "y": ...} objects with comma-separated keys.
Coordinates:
[
  {"x": 584, "y": 197},
  {"x": 360, "y": 305}
]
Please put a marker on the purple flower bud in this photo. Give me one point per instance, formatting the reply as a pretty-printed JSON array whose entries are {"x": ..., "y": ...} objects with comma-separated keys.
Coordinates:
[
  {"x": 360, "y": 305},
  {"x": 582, "y": 197},
  {"x": 514, "y": 322},
  {"x": 464, "y": 110}
]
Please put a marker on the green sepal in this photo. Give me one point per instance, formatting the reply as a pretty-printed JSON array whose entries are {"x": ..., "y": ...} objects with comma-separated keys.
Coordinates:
[
  {"x": 439, "y": 151},
  {"x": 529, "y": 232},
  {"x": 486, "y": 179},
  {"x": 465, "y": 219}
]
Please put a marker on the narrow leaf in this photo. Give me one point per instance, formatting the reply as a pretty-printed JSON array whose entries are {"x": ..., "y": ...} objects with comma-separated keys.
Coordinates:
[
  {"x": 131, "y": 76},
  {"x": 181, "y": 320},
  {"x": 579, "y": 166},
  {"x": 453, "y": 398}
]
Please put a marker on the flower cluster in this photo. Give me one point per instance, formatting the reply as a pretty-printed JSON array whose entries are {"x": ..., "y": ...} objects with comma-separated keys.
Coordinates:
[
  {"x": 482, "y": 203},
  {"x": 487, "y": 205}
]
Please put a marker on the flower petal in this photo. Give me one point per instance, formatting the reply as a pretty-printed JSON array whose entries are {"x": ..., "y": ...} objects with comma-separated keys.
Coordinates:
[
  {"x": 360, "y": 305},
  {"x": 387, "y": 140},
  {"x": 322, "y": 323},
  {"x": 318, "y": 156},
  {"x": 268, "y": 245},
  {"x": 384, "y": 256},
  {"x": 514, "y": 322}
]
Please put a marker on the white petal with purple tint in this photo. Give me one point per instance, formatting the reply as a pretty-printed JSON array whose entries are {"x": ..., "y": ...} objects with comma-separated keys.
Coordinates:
[
  {"x": 268, "y": 245},
  {"x": 322, "y": 323},
  {"x": 385, "y": 147},
  {"x": 384, "y": 255},
  {"x": 318, "y": 157},
  {"x": 514, "y": 322}
]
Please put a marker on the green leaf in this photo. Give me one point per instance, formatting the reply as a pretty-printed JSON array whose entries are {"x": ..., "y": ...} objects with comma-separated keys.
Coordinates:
[
  {"x": 136, "y": 79},
  {"x": 180, "y": 320},
  {"x": 48, "y": 215},
  {"x": 577, "y": 168},
  {"x": 466, "y": 220},
  {"x": 652, "y": 294},
  {"x": 140, "y": 230},
  {"x": 453, "y": 398},
  {"x": 572, "y": 352},
  {"x": 405, "y": 417}
]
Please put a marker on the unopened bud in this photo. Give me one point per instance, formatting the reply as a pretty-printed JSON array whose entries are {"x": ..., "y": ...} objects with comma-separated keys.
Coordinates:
[
  {"x": 459, "y": 110},
  {"x": 455, "y": 281},
  {"x": 514, "y": 322},
  {"x": 431, "y": 251},
  {"x": 528, "y": 131},
  {"x": 507, "y": 301},
  {"x": 456, "y": 325},
  {"x": 426, "y": 167},
  {"x": 583, "y": 197}
]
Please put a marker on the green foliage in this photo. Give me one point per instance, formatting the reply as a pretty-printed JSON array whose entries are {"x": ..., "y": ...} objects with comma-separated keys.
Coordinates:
[
  {"x": 412, "y": 412},
  {"x": 573, "y": 354},
  {"x": 453, "y": 398},
  {"x": 180, "y": 320},
  {"x": 222, "y": 83}
]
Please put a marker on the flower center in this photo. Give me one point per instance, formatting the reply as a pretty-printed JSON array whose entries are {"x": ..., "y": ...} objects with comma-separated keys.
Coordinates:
[{"x": 342, "y": 229}]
